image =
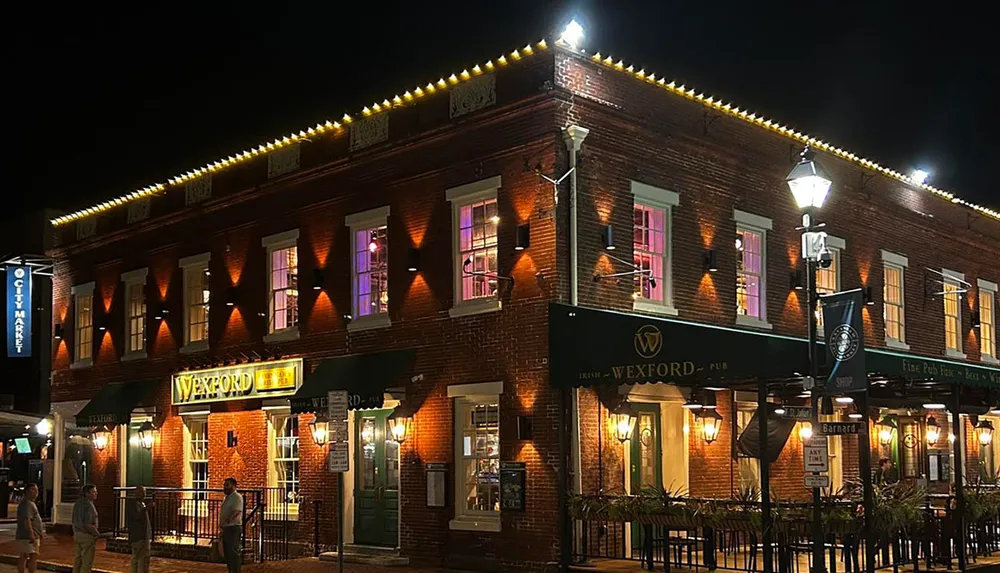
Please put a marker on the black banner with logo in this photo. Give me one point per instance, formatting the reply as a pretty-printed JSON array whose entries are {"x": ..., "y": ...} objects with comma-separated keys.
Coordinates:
[{"x": 845, "y": 342}]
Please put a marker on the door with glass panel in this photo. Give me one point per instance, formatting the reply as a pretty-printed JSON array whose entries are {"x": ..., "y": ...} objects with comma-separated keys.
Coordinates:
[
  {"x": 646, "y": 470},
  {"x": 376, "y": 491},
  {"x": 139, "y": 463}
]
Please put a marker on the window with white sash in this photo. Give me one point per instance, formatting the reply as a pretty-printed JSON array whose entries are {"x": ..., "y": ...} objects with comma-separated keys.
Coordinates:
[
  {"x": 83, "y": 325},
  {"x": 988, "y": 322},
  {"x": 282, "y": 285},
  {"x": 652, "y": 248},
  {"x": 751, "y": 269},
  {"x": 477, "y": 455},
  {"x": 893, "y": 299},
  {"x": 474, "y": 226},
  {"x": 952, "y": 289},
  {"x": 135, "y": 314},
  {"x": 197, "y": 296}
]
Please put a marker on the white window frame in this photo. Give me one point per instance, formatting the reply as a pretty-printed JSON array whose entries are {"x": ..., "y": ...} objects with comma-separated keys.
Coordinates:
[
  {"x": 372, "y": 218},
  {"x": 78, "y": 291},
  {"x": 470, "y": 395},
  {"x": 192, "y": 414},
  {"x": 836, "y": 245},
  {"x": 988, "y": 289},
  {"x": 662, "y": 199},
  {"x": 285, "y": 240},
  {"x": 131, "y": 280},
  {"x": 460, "y": 196},
  {"x": 187, "y": 264},
  {"x": 760, "y": 225},
  {"x": 953, "y": 279},
  {"x": 278, "y": 412},
  {"x": 900, "y": 262}
]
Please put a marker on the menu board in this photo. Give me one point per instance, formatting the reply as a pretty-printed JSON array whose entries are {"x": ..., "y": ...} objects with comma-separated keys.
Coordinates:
[{"x": 512, "y": 481}]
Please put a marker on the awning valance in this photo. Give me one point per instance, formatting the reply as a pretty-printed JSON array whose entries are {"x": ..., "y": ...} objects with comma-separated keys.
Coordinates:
[
  {"x": 365, "y": 377},
  {"x": 114, "y": 403},
  {"x": 591, "y": 347}
]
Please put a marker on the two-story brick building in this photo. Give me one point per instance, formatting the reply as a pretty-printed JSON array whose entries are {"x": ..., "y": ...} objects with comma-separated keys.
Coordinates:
[{"x": 412, "y": 254}]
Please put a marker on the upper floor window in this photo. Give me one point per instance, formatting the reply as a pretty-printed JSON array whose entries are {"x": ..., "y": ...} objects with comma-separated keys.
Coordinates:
[
  {"x": 477, "y": 454},
  {"x": 751, "y": 269},
  {"x": 135, "y": 314},
  {"x": 987, "y": 321},
  {"x": 893, "y": 299},
  {"x": 83, "y": 324},
  {"x": 283, "y": 285},
  {"x": 952, "y": 289},
  {"x": 651, "y": 248},
  {"x": 197, "y": 296},
  {"x": 474, "y": 222},
  {"x": 828, "y": 279},
  {"x": 370, "y": 268}
]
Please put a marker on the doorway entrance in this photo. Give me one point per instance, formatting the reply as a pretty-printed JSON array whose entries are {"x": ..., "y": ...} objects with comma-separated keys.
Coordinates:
[
  {"x": 646, "y": 468},
  {"x": 376, "y": 488},
  {"x": 139, "y": 460}
]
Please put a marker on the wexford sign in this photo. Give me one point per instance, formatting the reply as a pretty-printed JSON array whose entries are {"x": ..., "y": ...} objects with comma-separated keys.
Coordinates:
[
  {"x": 18, "y": 311},
  {"x": 261, "y": 380}
]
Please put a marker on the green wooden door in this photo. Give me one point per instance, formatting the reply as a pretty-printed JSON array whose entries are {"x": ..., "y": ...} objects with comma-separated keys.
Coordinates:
[
  {"x": 376, "y": 488},
  {"x": 646, "y": 469},
  {"x": 139, "y": 463}
]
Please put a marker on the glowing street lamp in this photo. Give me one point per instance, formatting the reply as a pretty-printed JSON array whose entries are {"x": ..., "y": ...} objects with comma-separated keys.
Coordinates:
[
  {"x": 101, "y": 438},
  {"x": 44, "y": 427},
  {"x": 572, "y": 35},
  {"x": 711, "y": 423},
  {"x": 319, "y": 428},
  {"x": 399, "y": 426},
  {"x": 933, "y": 431},
  {"x": 623, "y": 422},
  {"x": 885, "y": 429},
  {"x": 805, "y": 431},
  {"x": 147, "y": 435},
  {"x": 984, "y": 432}
]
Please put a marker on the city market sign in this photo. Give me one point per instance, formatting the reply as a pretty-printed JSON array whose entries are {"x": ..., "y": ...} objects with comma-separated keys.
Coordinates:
[
  {"x": 263, "y": 380},
  {"x": 18, "y": 311}
]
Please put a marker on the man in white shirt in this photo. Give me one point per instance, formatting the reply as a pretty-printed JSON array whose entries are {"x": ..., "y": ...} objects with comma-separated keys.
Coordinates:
[
  {"x": 29, "y": 530},
  {"x": 231, "y": 526}
]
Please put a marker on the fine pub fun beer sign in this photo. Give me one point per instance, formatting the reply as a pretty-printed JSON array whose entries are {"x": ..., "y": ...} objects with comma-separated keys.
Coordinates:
[{"x": 262, "y": 380}]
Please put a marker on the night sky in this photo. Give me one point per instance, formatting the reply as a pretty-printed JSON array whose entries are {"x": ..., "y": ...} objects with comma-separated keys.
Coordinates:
[{"x": 110, "y": 98}]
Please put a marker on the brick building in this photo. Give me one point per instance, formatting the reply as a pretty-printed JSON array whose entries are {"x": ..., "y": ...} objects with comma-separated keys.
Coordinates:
[{"x": 414, "y": 255}]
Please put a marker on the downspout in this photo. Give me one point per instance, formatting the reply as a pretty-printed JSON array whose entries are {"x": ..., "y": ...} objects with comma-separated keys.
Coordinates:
[{"x": 574, "y": 135}]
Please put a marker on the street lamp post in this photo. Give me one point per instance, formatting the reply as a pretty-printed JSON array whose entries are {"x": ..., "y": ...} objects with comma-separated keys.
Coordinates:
[{"x": 810, "y": 185}]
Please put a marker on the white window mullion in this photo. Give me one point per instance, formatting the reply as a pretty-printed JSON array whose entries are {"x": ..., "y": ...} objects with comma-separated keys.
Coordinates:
[
  {"x": 475, "y": 219},
  {"x": 894, "y": 299},
  {"x": 282, "y": 286},
  {"x": 987, "y": 321},
  {"x": 197, "y": 299},
  {"x": 369, "y": 269}
]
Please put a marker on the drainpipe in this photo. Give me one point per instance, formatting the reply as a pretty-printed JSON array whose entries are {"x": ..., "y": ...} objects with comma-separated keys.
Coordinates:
[{"x": 574, "y": 135}]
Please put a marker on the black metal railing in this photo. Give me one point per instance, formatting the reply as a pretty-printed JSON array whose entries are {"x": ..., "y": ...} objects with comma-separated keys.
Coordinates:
[
  {"x": 186, "y": 516},
  {"x": 735, "y": 543}
]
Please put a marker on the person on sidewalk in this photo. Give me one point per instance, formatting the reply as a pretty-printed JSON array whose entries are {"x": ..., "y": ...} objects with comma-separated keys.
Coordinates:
[
  {"x": 29, "y": 530},
  {"x": 85, "y": 531},
  {"x": 140, "y": 530},
  {"x": 231, "y": 526}
]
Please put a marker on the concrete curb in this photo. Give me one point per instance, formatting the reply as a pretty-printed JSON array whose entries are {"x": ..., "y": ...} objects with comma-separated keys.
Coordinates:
[{"x": 50, "y": 566}]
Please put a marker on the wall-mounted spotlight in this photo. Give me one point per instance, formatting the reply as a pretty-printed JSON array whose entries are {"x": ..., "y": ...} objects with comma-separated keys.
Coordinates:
[
  {"x": 161, "y": 312},
  {"x": 709, "y": 260},
  {"x": 318, "y": 279},
  {"x": 522, "y": 237},
  {"x": 231, "y": 293},
  {"x": 413, "y": 260},
  {"x": 797, "y": 282},
  {"x": 57, "y": 332},
  {"x": 976, "y": 319},
  {"x": 102, "y": 322},
  {"x": 869, "y": 298},
  {"x": 608, "y": 237}
]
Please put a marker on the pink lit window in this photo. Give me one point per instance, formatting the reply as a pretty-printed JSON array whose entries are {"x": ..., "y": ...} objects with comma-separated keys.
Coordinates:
[
  {"x": 371, "y": 271},
  {"x": 749, "y": 273},
  {"x": 284, "y": 289},
  {"x": 649, "y": 248},
  {"x": 478, "y": 249}
]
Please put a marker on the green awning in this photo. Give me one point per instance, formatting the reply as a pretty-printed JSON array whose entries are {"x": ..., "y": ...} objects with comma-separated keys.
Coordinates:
[
  {"x": 365, "y": 377},
  {"x": 890, "y": 364},
  {"x": 114, "y": 403}
]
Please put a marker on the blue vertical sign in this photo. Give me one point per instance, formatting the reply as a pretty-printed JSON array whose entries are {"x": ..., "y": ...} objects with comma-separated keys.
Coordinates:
[{"x": 18, "y": 311}]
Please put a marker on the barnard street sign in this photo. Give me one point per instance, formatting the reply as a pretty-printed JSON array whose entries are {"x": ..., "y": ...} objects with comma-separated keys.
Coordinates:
[{"x": 839, "y": 428}]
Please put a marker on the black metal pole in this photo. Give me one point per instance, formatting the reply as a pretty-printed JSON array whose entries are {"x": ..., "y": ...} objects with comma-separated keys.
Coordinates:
[
  {"x": 765, "y": 473},
  {"x": 865, "y": 451},
  {"x": 812, "y": 299},
  {"x": 565, "y": 522},
  {"x": 958, "y": 519}
]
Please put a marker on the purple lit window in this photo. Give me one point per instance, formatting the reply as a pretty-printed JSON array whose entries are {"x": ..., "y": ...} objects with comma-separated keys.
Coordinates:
[
  {"x": 749, "y": 273},
  {"x": 371, "y": 271},
  {"x": 649, "y": 248},
  {"x": 284, "y": 289},
  {"x": 478, "y": 249}
]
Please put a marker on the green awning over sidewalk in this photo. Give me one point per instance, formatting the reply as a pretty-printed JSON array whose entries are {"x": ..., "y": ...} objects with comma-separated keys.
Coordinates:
[
  {"x": 590, "y": 347},
  {"x": 113, "y": 404},
  {"x": 365, "y": 377}
]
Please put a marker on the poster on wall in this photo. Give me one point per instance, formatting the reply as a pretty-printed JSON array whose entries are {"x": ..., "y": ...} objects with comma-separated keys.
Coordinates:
[{"x": 18, "y": 311}]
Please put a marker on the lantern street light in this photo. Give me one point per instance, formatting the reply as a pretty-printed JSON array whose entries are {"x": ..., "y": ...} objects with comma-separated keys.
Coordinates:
[
  {"x": 805, "y": 431},
  {"x": 810, "y": 184},
  {"x": 44, "y": 427},
  {"x": 147, "y": 435},
  {"x": 984, "y": 432},
  {"x": 623, "y": 422},
  {"x": 886, "y": 429},
  {"x": 399, "y": 426},
  {"x": 711, "y": 423},
  {"x": 933, "y": 431},
  {"x": 101, "y": 438},
  {"x": 320, "y": 430}
]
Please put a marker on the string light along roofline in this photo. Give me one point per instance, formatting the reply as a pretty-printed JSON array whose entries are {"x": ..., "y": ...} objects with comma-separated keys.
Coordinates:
[
  {"x": 732, "y": 110},
  {"x": 329, "y": 127},
  {"x": 420, "y": 92}
]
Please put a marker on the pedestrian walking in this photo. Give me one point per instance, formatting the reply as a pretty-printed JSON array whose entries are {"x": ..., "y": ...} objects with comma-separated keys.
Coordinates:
[
  {"x": 85, "y": 531},
  {"x": 140, "y": 530},
  {"x": 231, "y": 526},
  {"x": 30, "y": 531}
]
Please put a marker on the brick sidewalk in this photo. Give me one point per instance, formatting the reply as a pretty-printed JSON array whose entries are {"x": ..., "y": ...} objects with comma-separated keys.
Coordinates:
[{"x": 57, "y": 555}]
